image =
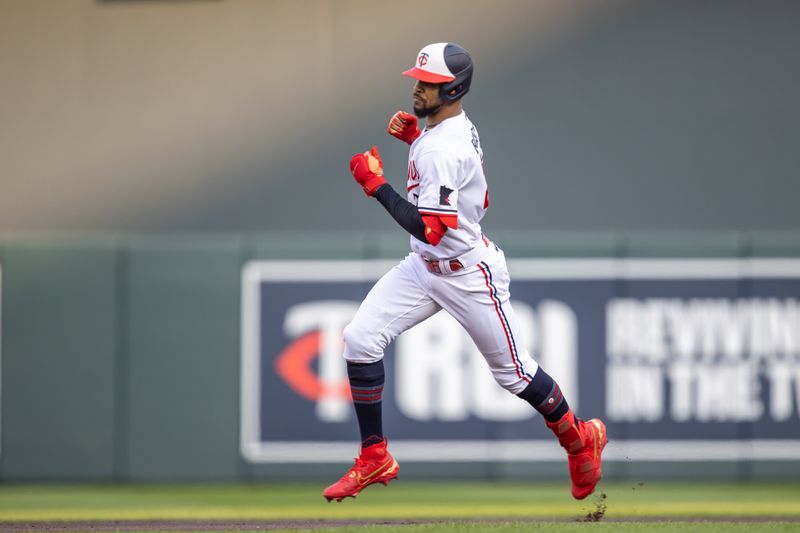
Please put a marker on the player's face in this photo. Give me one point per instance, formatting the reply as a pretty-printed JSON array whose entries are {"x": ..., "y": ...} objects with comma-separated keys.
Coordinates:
[{"x": 426, "y": 99}]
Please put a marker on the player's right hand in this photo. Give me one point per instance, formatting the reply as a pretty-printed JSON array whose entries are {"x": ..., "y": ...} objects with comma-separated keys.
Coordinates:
[
  {"x": 367, "y": 169},
  {"x": 404, "y": 126}
]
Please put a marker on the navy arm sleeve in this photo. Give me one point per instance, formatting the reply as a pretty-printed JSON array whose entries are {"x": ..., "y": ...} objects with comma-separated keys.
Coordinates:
[{"x": 404, "y": 212}]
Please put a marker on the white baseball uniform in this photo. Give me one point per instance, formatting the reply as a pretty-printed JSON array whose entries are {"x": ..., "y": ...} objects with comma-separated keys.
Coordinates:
[{"x": 446, "y": 179}]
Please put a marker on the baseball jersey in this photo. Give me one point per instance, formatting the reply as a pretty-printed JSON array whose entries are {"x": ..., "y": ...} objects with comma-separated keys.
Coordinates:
[{"x": 445, "y": 179}]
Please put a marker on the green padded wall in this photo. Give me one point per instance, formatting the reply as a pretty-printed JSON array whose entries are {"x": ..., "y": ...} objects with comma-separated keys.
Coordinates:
[
  {"x": 182, "y": 359},
  {"x": 120, "y": 358},
  {"x": 58, "y": 361}
]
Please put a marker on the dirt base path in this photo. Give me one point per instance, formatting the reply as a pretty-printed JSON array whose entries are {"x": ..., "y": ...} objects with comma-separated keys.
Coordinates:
[{"x": 266, "y": 525}]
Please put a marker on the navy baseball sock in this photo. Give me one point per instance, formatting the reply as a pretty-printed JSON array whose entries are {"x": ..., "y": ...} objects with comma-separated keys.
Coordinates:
[
  {"x": 366, "y": 385},
  {"x": 545, "y": 396}
]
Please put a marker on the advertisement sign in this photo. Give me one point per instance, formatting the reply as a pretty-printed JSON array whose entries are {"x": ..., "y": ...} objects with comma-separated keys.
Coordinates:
[{"x": 684, "y": 360}]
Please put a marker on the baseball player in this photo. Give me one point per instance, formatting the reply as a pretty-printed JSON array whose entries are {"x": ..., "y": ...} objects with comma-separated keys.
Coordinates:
[{"x": 452, "y": 266}]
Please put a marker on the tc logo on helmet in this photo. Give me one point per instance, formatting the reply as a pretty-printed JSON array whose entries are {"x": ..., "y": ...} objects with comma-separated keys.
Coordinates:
[{"x": 423, "y": 59}]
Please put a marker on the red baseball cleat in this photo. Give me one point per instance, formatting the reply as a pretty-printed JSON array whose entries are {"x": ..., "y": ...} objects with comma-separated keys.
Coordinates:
[
  {"x": 375, "y": 465},
  {"x": 584, "y": 442}
]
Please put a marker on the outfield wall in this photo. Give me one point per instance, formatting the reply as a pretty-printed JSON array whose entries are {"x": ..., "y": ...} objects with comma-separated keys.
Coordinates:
[{"x": 122, "y": 359}]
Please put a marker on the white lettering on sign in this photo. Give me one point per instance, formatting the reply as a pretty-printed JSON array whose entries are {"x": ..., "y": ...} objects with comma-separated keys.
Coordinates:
[
  {"x": 709, "y": 355},
  {"x": 329, "y": 318},
  {"x": 634, "y": 392},
  {"x": 430, "y": 370}
]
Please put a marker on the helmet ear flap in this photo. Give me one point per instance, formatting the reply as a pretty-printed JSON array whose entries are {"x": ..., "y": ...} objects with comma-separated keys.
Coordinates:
[
  {"x": 459, "y": 63},
  {"x": 454, "y": 90}
]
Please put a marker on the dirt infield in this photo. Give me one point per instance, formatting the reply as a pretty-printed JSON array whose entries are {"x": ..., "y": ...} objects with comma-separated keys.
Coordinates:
[{"x": 266, "y": 525}]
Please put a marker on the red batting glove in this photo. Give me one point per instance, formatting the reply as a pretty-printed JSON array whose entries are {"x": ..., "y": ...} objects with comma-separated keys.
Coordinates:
[
  {"x": 404, "y": 126},
  {"x": 367, "y": 169}
]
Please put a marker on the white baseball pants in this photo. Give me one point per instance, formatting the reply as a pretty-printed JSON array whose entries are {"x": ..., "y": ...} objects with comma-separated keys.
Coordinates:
[{"x": 477, "y": 297}]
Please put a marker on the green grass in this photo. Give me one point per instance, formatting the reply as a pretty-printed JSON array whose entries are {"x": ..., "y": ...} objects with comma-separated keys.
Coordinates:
[
  {"x": 490, "y": 503},
  {"x": 550, "y": 527}
]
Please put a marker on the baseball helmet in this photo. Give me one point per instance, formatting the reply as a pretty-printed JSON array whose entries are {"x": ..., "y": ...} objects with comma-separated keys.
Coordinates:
[{"x": 445, "y": 63}]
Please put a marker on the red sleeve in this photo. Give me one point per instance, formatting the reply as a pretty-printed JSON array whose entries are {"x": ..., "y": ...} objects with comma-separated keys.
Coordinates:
[{"x": 434, "y": 228}]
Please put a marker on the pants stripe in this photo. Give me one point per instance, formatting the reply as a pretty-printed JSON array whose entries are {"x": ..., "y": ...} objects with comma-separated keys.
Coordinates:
[{"x": 512, "y": 345}]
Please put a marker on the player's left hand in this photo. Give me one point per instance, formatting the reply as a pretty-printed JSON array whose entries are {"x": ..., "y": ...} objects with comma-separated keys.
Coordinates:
[
  {"x": 367, "y": 169},
  {"x": 404, "y": 126}
]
